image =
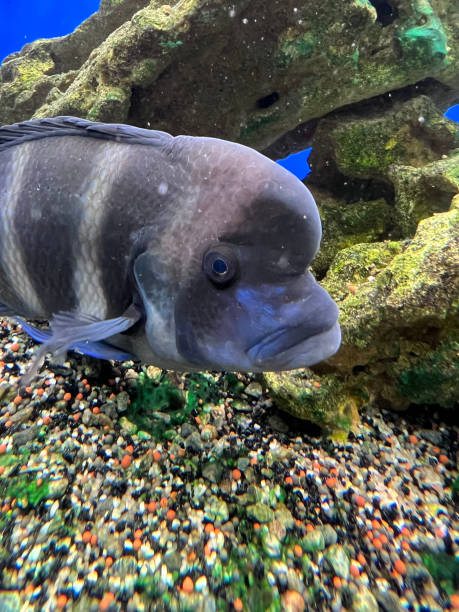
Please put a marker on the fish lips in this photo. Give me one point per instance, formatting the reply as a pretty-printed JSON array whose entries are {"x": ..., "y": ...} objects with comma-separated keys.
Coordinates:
[{"x": 288, "y": 348}]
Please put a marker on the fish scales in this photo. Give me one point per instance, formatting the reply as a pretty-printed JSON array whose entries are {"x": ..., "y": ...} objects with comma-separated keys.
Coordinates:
[{"x": 189, "y": 253}]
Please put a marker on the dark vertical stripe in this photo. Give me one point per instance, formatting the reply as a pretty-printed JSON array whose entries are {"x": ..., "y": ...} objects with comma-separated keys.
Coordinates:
[{"x": 136, "y": 211}]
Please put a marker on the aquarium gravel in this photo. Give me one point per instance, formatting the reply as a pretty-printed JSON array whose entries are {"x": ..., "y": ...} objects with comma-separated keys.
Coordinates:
[{"x": 122, "y": 491}]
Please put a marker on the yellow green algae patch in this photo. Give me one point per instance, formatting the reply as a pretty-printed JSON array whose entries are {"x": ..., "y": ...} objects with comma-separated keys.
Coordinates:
[
  {"x": 103, "y": 88},
  {"x": 326, "y": 401},
  {"x": 408, "y": 134},
  {"x": 401, "y": 320},
  {"x": 345, "y": 226},
  {"x": 419, "y": 192},
  {"x": 29, "y": 71}
]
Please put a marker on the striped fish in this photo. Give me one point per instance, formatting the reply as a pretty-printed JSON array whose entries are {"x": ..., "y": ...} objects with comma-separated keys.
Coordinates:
[{"x": 188, "y": 253}]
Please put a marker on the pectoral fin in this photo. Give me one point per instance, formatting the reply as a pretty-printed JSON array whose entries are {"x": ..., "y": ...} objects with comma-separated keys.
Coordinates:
[
  {"x": 79, "y": 332},
  {"x": 100, "y": 350}
]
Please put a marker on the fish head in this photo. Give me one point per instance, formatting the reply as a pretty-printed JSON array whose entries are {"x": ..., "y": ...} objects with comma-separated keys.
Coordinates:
[{"x": 235, "y": 292}]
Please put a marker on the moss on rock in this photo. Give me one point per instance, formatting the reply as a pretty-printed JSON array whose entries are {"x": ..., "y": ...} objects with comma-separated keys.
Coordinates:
[
  {"x": 401, "y": 320},
  {"x": 213, "y": 69},
  {"x": 327, "y": 401},
  {"x": 347, "y": 225}
]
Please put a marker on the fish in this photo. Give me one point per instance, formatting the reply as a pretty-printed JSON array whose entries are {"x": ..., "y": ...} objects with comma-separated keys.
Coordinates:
[{"x": 189, "y": 253}]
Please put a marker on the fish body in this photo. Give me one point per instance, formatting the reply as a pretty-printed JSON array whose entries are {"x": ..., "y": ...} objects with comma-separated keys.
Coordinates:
[{"x": 185, "y": 252}]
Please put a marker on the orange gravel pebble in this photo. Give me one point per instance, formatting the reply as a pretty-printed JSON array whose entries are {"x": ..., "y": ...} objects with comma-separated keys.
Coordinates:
[
  {"x": 156, "y": 455},
  {"x": 297, "y": 550},
  {"x": 138, "y": 533},
  {"x": 187, "y": 585},
  {"x": 93, "y": 540},
  {"x": 17, "y": 399},
  {"x": 86, "y": 537},
  {"x": 8, "y": 423},
  {"x": 400, "y": 567},
  {"x": 106, "y": 601},
  {"x": 170, "y": 514},
  {"x": 136, "y": 544},
  {"x": 3, "y": 448},
  {"x": 47, "y": 420},
  {"x": 129, "y": 449},
  {"x": 96, "y": 410},
  {"x": 236, "y": 474},
  {"x": 14, "y": 347},
  {"x": 361, "y": 559},
  {"x": 163, "y": 502},
  {"x": 331, "y": 482},
  {"x": 355, "y": 572},
  {"x": 360, "y": 501},
  {"x": 67, "y": 396},
  {"x": 443, "y": 459},
  {"x": 126, "y": 461},
  {"x": 151, "y": 506},
  {"x": 406, "y": 531},
  {"x": 454, "y": 599},
  {"x": 288, "y": 480},
  {"x": 337, "y": 582},
  {"x": 377, "y": 543},
  {"x": 108, "y": 562},
  {"x": 237, "y": 604},
  {"x": 61, "y": 602},
  {"x": 293, "y": 601}
]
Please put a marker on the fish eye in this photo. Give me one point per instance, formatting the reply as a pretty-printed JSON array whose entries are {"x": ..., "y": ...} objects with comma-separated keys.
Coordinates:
[{"x": 220, "y": 265}]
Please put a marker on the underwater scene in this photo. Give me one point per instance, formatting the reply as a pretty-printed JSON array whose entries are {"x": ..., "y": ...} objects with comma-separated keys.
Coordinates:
[{"x": 229, "y": 306}]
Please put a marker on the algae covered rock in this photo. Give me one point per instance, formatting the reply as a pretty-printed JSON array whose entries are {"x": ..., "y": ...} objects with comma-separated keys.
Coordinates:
[
  {"x": 344, "y": 226},
  {"x": 330, "y": 403},
  {"x": 400, "y": 323},
  {"x": 245, "y": 71},
  {"x": 406, "y": 152}
]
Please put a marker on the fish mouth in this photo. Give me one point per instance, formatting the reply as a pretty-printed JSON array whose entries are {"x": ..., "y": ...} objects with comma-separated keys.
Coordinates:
[{"x": 285, "y": 349}]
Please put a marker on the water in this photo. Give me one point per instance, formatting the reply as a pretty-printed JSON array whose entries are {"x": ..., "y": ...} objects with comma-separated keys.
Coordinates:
[{"x": 128, "y": 487}]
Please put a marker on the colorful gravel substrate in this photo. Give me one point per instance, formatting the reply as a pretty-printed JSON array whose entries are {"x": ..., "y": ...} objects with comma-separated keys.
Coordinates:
[{"x": 193, "y": 493}]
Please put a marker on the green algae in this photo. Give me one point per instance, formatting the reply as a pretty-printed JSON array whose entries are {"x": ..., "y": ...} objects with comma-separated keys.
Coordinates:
[
  {"x": 170, "y": 44},
  {"x": 27, "y": 492},
  {"x": 330, "y": 403},
  {"x": 444, "y": 570},
  {"x": 426, "y": 43},
  {"x": 159, "y": 406},
  {"x": 345, "y": 226},
  {"x": 437, "y": 373},
  {"x": 256, "y": 123},
  {"x": 294, "y": 45}
]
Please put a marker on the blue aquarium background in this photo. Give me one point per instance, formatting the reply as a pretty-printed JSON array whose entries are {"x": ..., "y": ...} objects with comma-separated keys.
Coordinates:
[{"x": 23, "y": 21}]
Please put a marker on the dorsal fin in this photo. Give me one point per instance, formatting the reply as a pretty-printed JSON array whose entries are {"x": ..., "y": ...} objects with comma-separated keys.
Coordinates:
[{"x": 11, "y": 135}]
